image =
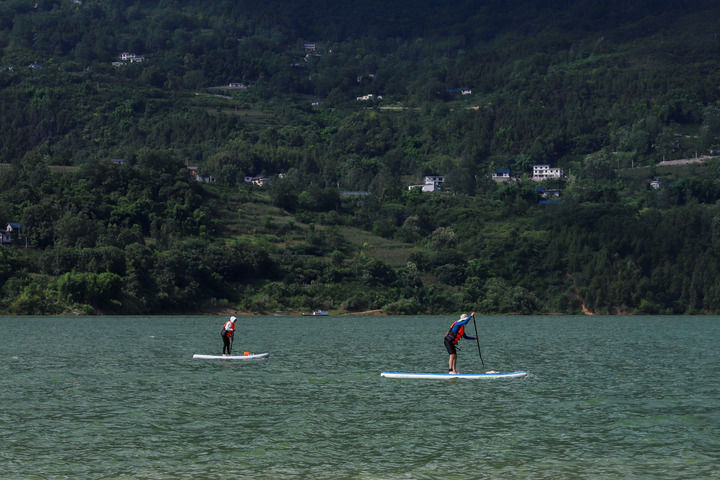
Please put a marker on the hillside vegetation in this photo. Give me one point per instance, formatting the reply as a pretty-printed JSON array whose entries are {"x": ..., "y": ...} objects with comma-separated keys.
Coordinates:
[{"x": 125, "y": 175}]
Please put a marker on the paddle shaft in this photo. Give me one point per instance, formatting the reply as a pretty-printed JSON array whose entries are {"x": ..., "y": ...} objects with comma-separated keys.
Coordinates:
[{"x": 477, "y": 339}]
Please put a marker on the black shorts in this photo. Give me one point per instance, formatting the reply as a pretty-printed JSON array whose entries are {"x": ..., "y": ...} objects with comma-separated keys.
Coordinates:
[{"x": 450, "y": 346}]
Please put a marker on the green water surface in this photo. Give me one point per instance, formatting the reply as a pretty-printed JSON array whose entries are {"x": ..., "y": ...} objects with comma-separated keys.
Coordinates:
[{"x": 122, "y": 398}]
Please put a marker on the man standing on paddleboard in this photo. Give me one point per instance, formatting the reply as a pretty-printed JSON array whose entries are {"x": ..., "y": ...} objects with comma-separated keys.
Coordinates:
[
  {"x": 453, "y": 335},
  {"x": 228, "y": 333}
]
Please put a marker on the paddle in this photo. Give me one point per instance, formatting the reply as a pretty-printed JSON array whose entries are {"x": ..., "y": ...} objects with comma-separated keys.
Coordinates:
[
  {"x": 477, "y": 339},
  {"x": 232, "y": 340}
]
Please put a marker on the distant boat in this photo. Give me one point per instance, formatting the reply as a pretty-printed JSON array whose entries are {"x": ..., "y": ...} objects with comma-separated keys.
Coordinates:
[{"x": 316, "y": 313}]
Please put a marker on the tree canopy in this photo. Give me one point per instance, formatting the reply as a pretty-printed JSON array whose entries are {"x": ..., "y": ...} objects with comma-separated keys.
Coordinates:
[{"x": 128, "y": 129}]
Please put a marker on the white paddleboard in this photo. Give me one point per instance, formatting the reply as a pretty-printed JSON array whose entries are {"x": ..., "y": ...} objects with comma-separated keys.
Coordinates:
[
  {"x": 252, "y": 356},
  {"x": 449, "y": 376}
]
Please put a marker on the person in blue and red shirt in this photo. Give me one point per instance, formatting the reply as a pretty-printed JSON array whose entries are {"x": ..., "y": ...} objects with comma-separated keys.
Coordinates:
[
  {"x": 453, "y": 335},
  {"x": 228, "y": 333}
]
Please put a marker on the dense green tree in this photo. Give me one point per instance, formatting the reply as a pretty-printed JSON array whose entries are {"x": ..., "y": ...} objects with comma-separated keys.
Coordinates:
[{"x": 96, "y": 155}]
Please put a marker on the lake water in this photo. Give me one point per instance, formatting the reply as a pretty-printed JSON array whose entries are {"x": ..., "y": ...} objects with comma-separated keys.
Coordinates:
[{"x": 122, "y": 398}]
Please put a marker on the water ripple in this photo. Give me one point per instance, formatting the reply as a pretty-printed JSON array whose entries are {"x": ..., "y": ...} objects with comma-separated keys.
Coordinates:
[{"x": 614, "y": 397}]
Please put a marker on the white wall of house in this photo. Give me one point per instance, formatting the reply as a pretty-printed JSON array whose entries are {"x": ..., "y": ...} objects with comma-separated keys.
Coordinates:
[
  {"x": 434, "y": 179},
  {"x": 545, "y": 172},
  {"x": 501, "y": 176}
]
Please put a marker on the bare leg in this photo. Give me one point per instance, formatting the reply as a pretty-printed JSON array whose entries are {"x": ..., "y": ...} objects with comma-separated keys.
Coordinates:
[{"x": 451, "y": 363}]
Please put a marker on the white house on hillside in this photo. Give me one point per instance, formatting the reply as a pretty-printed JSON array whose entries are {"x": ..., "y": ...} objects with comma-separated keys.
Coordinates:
[
  {"x": 131, "y": 57},
  {"x": 436, "y": 179},
  {"x": 368, "y": 97},
  {"x": 431, "y": 184},
  {"x": 545, "y": 172},
  {"x": 258, "y": 180},
  {"x": 501, "y": 175}
]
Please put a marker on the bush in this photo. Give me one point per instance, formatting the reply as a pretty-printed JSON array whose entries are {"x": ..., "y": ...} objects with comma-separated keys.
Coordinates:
[{"x": 90, "y": 288}]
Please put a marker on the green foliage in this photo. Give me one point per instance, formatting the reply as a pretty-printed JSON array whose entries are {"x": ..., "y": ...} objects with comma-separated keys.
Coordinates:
[
  {"x": 89, "y": 288},
  {"x": 96, "y": 156},
  {"x": 500, "y": 297}
]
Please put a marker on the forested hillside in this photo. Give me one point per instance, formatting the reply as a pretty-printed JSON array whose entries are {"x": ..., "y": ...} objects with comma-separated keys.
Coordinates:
[{"x": 128, "y": 128}]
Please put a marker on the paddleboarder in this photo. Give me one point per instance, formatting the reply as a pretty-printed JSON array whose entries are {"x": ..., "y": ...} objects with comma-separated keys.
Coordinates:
[
  {"x": 228, "y": 334},
  {"x": 453, "y": 335}
]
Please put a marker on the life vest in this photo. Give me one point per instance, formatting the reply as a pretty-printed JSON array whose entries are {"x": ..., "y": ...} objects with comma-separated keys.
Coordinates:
[
  {"x": 228, "y": 328},
  {"x": 457, "y": 335}
]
